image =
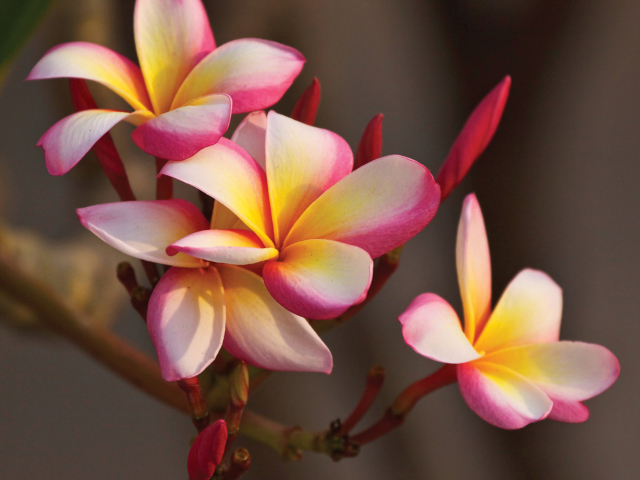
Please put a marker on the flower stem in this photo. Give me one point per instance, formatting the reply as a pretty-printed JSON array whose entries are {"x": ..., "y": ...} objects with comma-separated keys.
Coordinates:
[
  {"x": 101, "y": 344},
  {"x": 164, "y": 184},
  {"x": 375, "y": 380},
  {"x": 396, "y": 414},
  {"x": 197, "y": 406},
  {"x": 104, "y": 148}
]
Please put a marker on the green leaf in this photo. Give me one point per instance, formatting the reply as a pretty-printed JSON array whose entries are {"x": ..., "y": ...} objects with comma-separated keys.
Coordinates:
[{"x": 18, "y": 18}]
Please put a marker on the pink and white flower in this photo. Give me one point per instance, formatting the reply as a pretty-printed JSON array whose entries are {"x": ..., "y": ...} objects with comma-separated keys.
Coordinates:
[
  {"x": 315, "y": 224},
  {"x": 183, "y": 93},
  {"x": 198, "y": 307},
  {"x": 511, "y": 367}
]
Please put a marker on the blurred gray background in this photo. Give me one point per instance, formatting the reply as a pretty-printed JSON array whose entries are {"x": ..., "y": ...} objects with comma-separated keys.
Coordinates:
[{"x": 558, "y": 187}]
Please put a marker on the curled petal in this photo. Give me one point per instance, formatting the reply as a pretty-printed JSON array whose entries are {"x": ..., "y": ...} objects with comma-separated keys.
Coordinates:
[
  {"x": 474, "y": 268},
  {"x": 501, "y": 396},
  {"x": 377, "y": 208},
  {"x": 183, "y": 132},
  {"x": 319, "y": 279},
  {"x": 186, "y": 321},
  {"x": 302, "y": 162},
  {"x": 207, "y": 451},
  {"x": 235, "y": 247},
  {"x": 71, "y": 138},
  {"x": 97, "y": 63},
  {"x": 171, "y": 38},
  {"x": 528, "y": 312},
  {"x": 474, "y": 137},
  {"x": 251, "y": 135},
  {"x": 431, "y": 327},
  {"x": 263, "y": 333},
  {"x": 255, "y": 73},
  {"x": 570, "y": 412},
  {"x": 144, "y": 229},
  {"x": 306, "y": 107},
  {"x": 567, "y": 371},
  {"x": 227, "y": 173}
]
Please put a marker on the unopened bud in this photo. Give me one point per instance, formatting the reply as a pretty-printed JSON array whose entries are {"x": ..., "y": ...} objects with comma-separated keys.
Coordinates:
[
  {"x": 306, "y": 108},
  {"x": 240, "y": 386}
]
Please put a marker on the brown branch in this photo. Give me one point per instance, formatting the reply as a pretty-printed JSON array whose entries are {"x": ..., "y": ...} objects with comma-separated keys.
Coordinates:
[{"x": 95, "y": 340}]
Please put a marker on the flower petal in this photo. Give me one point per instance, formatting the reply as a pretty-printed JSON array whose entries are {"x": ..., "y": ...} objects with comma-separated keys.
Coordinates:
[
  {"x": 570, "y": 412},
  {"x": 71, "y": 138},
  {"x": 501, "y": 396},
  {"x": 567, "y": 371},
  {"x": 319, "y": 279},
  {"x": 227, "y": 173},
  {"x": 529, "y": 311},
  {"x": 431, "y": 327},
  {"x": 263, "y": 333},
  {"x": 474, "y": 137},
  {"x": 144, "y": 229},
  {"x": 171, "y": 38},
  {"x": 377, "y": 207},
  {"x": 302, "y": 162},
  {"x": 97, "y": 63},
  {"x": 183, "y": 132},
  {"x": 256, "y": 73},
  {"x": 236, "y": 247},
  {"x": 207, "y": 451},
  {"x": 186, "y": 321},
  {"x": 251, "y": 135},
  {"x": 474, "y": 268}
]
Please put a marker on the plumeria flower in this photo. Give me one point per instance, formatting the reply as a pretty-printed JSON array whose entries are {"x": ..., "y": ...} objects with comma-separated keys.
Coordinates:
[
  {"x": 315, "y": 225},
  {"x": 511, "y": 367},
  {"x": 183, "y": 93},
  {"x": 197, "y": 306}
]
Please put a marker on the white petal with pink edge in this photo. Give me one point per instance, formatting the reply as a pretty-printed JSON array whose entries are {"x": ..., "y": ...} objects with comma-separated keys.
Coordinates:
[
  {"x": 263, "y": 333},
  {"x": 71, "y": 138},
  {"x": 251, "y": 135},
  {"x": 256, "y": 73},
  {"x": 227, "y": 173},
  {"x": 501, "y": 396},
  {"x": 186, "y": 320},
  {"x": 377, "y": 207},
  {"x": 302, "y": 162},
  {"x": 94, "y": 62},
  {"x": 474, "y": 268},
  {"x": 431, "y": 327},
  {"x": 171, "y": 38},
  {"x": 235, "y": 247},
  {"x": 529, "y": 311},
  {"x": 319, "y": 279},
  {"x": 568, "y": 371},
  {"x": 183, "y": 132},
  {"x": 144, "y": 229}
]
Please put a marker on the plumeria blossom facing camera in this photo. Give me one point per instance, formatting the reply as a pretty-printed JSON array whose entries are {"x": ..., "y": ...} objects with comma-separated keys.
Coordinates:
[
  {"x": 315, "y": 224},
  {"x": 183, "y": 93},
  {"x": 197, "y": 307},
  {"x": 511, "y": 367}
]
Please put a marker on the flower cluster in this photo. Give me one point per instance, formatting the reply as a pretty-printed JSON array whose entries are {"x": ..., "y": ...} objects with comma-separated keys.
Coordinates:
[{"x": 297, "y": 227}]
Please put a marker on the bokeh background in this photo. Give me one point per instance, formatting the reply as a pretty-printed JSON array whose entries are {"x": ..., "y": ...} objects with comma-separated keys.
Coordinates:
[{"x": 558, "y": 186}]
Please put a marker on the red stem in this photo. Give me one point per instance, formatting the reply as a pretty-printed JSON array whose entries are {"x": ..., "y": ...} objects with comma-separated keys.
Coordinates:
[
  {"x": 104, "y": 148},
  {"x": 395, "y": 415},
  {"x": 375, "y": 380},
  {"x": 197, "y": 406},
  {"x": 164, "y": 184}
]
